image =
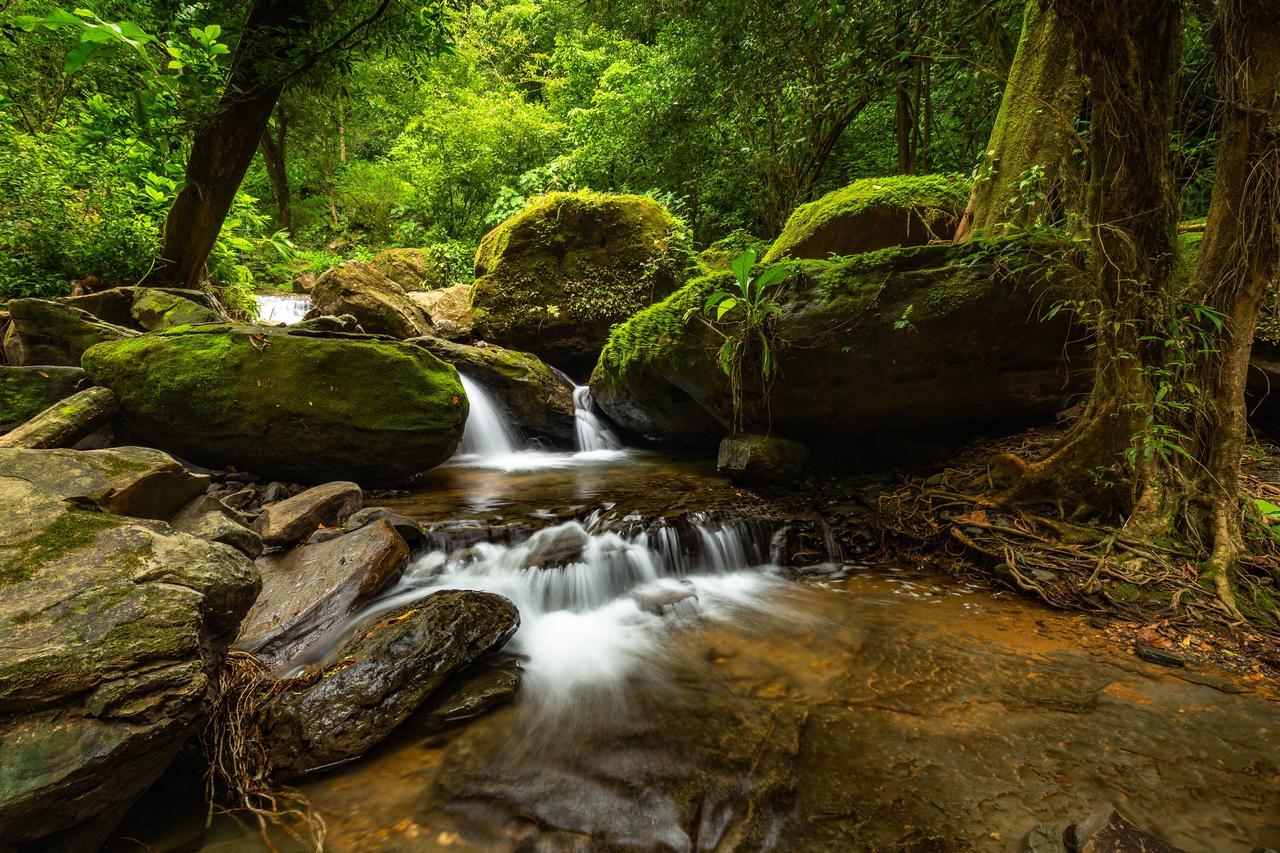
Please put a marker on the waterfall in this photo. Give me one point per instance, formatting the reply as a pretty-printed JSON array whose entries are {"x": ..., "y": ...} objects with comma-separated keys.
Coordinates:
[
  {"x": 593, "y": 435},
  {"x": 488, "y": 433},
  {"x": 282, "y": 309}
]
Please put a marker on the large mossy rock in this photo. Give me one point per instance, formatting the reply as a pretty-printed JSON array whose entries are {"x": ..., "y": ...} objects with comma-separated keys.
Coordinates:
[
  {"x": 27, "y": 391},
  {"x": 414, "y": 269},
  {"x": 390, "y": 666},
  {"x": 288, "y": 405},
  {"x": 552, "y": 279},
  {"x": 45, "y": 332},
  {"x": 536, "y": 398},
  {"x": 928, "y": 339},
  {"x": 111, "y": 632},
  {"x": 379, "y": 304},
  {"x": 148, "y": 308},
  {"x": 874, "y": 213}
]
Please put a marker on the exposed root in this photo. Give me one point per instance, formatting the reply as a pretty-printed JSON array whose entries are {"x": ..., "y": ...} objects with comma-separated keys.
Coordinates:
[{"x": 238, "y": 779}]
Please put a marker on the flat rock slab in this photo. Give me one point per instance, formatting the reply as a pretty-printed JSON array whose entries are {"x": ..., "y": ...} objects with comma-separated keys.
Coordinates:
[
  {"x": 307, "y": 591},
  {"x": 294, "y": 519}
]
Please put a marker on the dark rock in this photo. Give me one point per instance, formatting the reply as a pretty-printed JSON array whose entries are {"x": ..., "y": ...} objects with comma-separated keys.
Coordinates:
[
  {"x": 1150, "y": 654},
  {"x": 65, "y": 423},
  {"x": 27, "y": 391},
  {"x": 379, "y": 305},
  {"x": 476, "y": 689},
  {"x": 241, "y": 498},
  {"x": 275, "y": 491},
  {"x": 210, "y": 519},
  {"x": 296, "y": 518},
  {"x": 310, "y": 589},
  {"x": 44, "y": 332},
  {"x": 409, "y": 530},
  {"x": 1106, "y": 831},
  {"x": 1043, "y": 839},
  {"x": 760, "y": 459},
  {"x": 329, "y": 323},
  {"x": 288, "y": 404},
  {"x": 536, "y": 398},
  {"x": 392, "y": 663}
]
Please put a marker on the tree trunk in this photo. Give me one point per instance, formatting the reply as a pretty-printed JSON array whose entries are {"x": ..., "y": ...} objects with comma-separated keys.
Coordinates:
[
  {"x": 273, "y": 157},
  {"x": 904, "y": 126},
  {"x": 1035, "y": 127},
  {"x": 223, "y": 149}
]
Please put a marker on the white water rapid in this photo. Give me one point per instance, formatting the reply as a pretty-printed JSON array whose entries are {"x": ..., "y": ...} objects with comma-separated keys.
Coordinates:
[
  {"x": 282, "y": 309},
  {"x": 593, "y": 435},
  {"x": 488, "y": 433}
]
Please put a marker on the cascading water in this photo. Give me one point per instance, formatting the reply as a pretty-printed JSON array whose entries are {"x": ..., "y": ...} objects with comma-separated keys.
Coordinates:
[
  {"x": 488, "y": 433},
  {"x": 593, "y": 435},
  {"x": 283, "y": 309}
]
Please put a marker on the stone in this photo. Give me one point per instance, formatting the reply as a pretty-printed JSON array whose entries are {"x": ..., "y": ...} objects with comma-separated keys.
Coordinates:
[
  {"x": 536, "y": 398},
  {"x": 294, "y": 519},
  {"x": 874, "y": 213},
  {"x": 553, "y": 279},
  {"x": 290, "y": 405},
  {"x": 155, "y": 309},
  {"x": 449, "y": 309},
  {"x": 116, "y": 305},
  {"x": 761, "y": 459},
  {"x": 43, "y": 332},
  {"x": 65, "y": 423},
  {"x": 210, "y": 519},
  {"x": 1106, "y": 831},
  {"x": 1043, "y": 839},
  {"x": 379, "y": 305},
  {"x": 409, "y": 530},
  {"x": 310, "y": 589},
  {"x": 390, "y": 666},
  {"x": 414, "y": 269},
  {"x": 27, "y": 391},
  {"x": 480, "y": 687},
  {"x": 113, "y": 629},
  {"x": 328, "y": 323},
  {"x": 919, "y": 340},
  {"x": 1150, "y": 654}
]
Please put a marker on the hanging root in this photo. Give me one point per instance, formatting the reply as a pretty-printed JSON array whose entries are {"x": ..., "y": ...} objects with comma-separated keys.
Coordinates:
[{"x": 238, "y": 780}]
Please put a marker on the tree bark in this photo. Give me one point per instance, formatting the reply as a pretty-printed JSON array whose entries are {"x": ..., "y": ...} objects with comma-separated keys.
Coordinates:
[
  {"x": 223, "y": 149},
  {"x": 1034, "y": 127},
  {"x": 274, "y": 145}
]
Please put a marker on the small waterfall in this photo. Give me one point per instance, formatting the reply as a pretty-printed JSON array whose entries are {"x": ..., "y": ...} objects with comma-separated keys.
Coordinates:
[
  {"x": 488, "y": 433},
  {"x": 593, "y": 435},
  {"x": 282, "y": 309}
]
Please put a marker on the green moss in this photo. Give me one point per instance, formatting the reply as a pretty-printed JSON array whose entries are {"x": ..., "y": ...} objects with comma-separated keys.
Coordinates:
[
  {"x": 933, "y": 196},
  {"x": 69, "y": 532},
  {"x": 27, "y": 391}
]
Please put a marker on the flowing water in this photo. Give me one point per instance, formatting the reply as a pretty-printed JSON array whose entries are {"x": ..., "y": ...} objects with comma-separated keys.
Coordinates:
[{"x": 282, "y": 308}]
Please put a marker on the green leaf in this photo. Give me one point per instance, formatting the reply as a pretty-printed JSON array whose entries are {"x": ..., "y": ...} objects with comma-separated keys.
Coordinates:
[
  {"x": 80, "y": 55},
  {"x": 742, "y": 266},
  {"x": 772, "y": 276},
  {"x": 1269, "y": 510},
  {"x": 726, "y": 306}
]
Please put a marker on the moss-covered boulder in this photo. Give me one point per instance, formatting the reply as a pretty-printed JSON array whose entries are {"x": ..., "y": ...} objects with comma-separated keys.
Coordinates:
[
  {"x": 379, "y": 304},
  {"x": 41, "y": 331},
  {"x": 111, "y": 632},
  {"x": 552, "y": 279},
  {"x": 287, "y": 404},
  {"x": 27, "y": 391},
  {"x": 155, "y": 309},
  {"x": 449, "y": 309},
  {"x": 66, "y": 422},
  {"x": 931, "y": 339},
  {"x": 874, "y": 213},
  {"x": 415, "y": 269}
]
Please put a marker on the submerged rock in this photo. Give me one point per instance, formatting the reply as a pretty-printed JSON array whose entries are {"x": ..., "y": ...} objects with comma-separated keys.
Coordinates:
[
  {"x": 393, "y": 663},
  {"x": 379, "y": 305},
  {"x": 760, "y": 459},
  {"x": 310, "y": 589},
  {"x": 294, "y": 519},
  {"x": 476, "y": 689},
  {"x": 27, "y": 391},
  {"x": 536, "y": 398},
  {"x": 874, "y": 213},
  {"x": 112, "y": 630},
  {"x": 930, "y": 338},
  {"x": 45, "y": 332},
  {"x": 298, "y": 406},
  {"x": 552, "y": 279}
]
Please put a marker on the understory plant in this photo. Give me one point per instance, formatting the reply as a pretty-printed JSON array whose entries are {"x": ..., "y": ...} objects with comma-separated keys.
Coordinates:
[{"x": 743, "y": 317}]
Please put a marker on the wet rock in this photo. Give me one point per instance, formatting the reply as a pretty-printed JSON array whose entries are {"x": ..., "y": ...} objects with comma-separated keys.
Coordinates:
[
  {"x": 1150, "y": 654},
  {"x": 134, "y": 481},
  {"x": 310, "y": 589},
  {"x": 155, "y": 309},
  {"x": 1043, "y": 839},
  {"x": 552, "y": 279},
  {"x": 288, "y": 404},
  {"x": 1106, "y": 831},
  {"x": 556, "y": 546},
  {"x": 760, "y": 459},
  {"x": 112, "y": 628},
  {"x": 384, "y": 673},
  {"x": 409, "y": 530},
  {"x": 874, "y": 213},
  {"x": 536, "y": 398},
  {"x": 379, "y": 305},
  {"x": 449, "y": 309},
  {"x": 478, "y": 688},
  {"x": 45, "y": 332},
  {"x": 658, "y": 598},
  {"x": 65, "y": 423},
  {"x": 27, "y": 391},
  {"x": 210, "y": 519},
  {"x": 296, "y": 518}
]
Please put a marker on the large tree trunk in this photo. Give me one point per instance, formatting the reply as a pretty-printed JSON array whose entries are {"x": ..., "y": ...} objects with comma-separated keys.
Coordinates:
[
  {"x": 273, "y": 157},
  {"x": 223, "y": 149},
  {"x": 1035, "y": 127}
]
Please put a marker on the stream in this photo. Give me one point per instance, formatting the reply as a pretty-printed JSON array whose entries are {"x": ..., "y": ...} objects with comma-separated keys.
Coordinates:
[{"x": 681, "y": 692}]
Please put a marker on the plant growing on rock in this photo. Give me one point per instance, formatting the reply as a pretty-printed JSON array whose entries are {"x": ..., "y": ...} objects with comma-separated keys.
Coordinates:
[{"x": 744, "y": 320}]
